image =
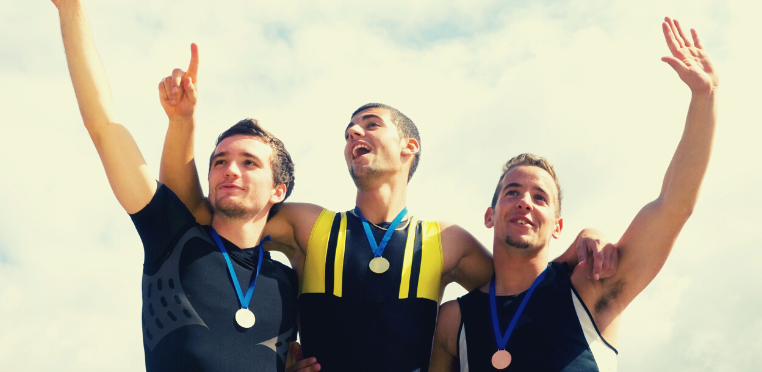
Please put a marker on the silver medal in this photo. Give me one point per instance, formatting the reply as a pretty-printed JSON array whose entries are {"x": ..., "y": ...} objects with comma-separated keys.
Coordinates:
[{"x": 245, "y": 318}]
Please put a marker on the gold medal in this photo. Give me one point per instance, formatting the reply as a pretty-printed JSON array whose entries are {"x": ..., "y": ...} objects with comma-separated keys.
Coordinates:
[
  {"x": 245, "y": 318},
  {"x": 379, "y": 265},
  {"x": 501, "y": 359}
]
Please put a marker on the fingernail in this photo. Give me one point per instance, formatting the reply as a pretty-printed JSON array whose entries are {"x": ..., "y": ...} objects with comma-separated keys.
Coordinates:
[
  {"x": 172, "y": 102},
  {"x": 175, "y": 90}
]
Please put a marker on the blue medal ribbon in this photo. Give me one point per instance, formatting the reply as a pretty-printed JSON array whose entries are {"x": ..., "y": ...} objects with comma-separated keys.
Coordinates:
[
  {"x": 244, "y": 300},
  {"x": 502, "y": 341},
  {"x": 378, "y": 249}
]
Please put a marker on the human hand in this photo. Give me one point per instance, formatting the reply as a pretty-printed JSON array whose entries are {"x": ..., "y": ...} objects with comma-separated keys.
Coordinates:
[
  {"x": 592, "y": 244},
  {"x": 295, "y": 363},
  {"x": 178, "y": 93},
  {"x": 689, "y": 59}
]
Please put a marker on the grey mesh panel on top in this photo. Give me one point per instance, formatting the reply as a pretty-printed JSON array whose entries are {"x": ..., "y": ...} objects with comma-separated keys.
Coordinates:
[
  {"x": 165, "y": 305},
  {"x": 279, "y": 344}
]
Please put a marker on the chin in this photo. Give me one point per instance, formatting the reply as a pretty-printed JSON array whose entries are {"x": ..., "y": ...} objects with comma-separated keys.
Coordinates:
[
  {"x": 523, "y": 243},
  {"x": 231, "y": 209}
]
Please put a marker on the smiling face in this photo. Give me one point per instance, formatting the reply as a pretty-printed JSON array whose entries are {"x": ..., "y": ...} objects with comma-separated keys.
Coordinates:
[
  {"x": 524, "y": 216},
  {"x": 241, "y": 179},
  {"x": 374, "y": 148}
]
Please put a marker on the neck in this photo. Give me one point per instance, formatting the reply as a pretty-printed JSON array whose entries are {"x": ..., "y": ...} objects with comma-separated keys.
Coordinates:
[
  {"x": 383, "y": 202},
  {"x": 241, "y": 232},
  {"x": 516, "y": 270}
]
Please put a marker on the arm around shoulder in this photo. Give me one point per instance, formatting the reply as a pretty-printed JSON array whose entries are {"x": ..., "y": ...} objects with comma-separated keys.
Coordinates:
[{"x": 466, "y": 260}]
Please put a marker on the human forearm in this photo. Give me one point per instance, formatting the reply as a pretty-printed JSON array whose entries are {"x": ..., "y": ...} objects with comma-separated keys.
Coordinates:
[
  {"x": 87, "y": 75},
  {"x": 686, "y": 171},
  {"x": 125, "y": 168},
  {"x": 178, "y": 167}
]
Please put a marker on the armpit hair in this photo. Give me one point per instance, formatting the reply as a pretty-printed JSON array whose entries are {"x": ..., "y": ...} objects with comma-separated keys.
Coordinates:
[{"x": 612, "y": 291}]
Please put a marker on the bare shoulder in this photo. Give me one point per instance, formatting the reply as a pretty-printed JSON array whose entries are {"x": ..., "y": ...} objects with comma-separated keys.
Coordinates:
[{"x": 292, "y": 224}]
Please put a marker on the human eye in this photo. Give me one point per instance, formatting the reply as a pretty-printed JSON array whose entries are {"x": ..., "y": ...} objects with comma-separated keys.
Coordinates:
[
  {"x": 540, "y": 198},
  {"x": 511, "y": 193},
  {"x": 219, "y": 162}
]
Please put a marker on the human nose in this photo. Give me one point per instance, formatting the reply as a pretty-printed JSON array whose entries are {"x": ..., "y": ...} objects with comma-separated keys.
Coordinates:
[
  {"x": 232, "y": 170},
  {"x": 355, "y": 132},
  {"x": 525, "y": 203}
]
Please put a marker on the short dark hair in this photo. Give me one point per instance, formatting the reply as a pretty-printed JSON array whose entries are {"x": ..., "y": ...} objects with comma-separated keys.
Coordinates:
[
  {"x": 534, "y": 161},
  {"x": 281, "y": 163},
  {"x": 405, "y": 129}
]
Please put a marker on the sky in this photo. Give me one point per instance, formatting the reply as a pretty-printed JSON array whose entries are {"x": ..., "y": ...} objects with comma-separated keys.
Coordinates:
[{"x": 580, "y": 82}]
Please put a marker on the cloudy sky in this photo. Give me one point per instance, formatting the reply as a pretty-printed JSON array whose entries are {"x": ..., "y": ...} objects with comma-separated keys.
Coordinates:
[{"x": 577, "y": 81}]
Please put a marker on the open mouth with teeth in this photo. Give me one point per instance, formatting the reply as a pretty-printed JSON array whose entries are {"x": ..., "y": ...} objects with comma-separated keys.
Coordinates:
[
  {"x": 522, "y": 222},
  {"x": 359, "y": 150}
]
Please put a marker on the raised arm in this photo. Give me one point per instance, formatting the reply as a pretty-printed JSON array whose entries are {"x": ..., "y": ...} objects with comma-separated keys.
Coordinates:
[
  {"x": 126, "y": 170},
  {"x": 178, "y": 95},
  {"x": 648, "y": 240}
]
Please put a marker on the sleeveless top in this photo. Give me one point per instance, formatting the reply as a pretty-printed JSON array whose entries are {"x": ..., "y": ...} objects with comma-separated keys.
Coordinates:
[
  {"x": 352, "y": 319},
  {"x": 554, "y": 333}
]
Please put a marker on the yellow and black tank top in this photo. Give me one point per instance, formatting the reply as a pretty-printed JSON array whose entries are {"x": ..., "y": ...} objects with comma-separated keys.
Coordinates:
[{"x": 352, "y": 319}]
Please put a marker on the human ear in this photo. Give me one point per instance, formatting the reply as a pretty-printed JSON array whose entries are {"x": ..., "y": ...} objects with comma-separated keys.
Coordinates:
[
  {"x": 559, "y": 226},
  {"x": 278, "y": 193},
  {"x": 410, "y": 147},
  {"x": 488, "y": 218}
]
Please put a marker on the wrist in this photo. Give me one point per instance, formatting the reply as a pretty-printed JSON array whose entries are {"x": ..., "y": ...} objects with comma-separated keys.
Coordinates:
[{"x": 181, "y": 120}]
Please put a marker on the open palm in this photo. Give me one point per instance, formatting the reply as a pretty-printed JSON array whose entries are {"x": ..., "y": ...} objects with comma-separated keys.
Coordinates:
[{"x": 689, "y": 59}]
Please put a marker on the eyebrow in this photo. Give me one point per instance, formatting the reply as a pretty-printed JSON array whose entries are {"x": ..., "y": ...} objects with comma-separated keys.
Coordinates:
[
  {"x": 244, "y": 154},
  {"x": 364, "y": 117},
  {"x": 516, "y": 184}
]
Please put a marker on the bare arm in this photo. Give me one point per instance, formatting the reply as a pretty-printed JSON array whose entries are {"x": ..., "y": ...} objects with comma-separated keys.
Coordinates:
[
  {"x": 466, "y": 261},
  {"x": 125, "y": 167},
  {"x": 178, "y": 95},
  {"x": 647, "y": 242},
  {"x": 444, "y": 353}
]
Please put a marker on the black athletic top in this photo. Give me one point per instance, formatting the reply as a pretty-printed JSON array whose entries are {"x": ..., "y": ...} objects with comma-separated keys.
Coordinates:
[
  {"x": 189, "y": 301},
  {"x": 554, "y": 333},
  {"x": 352, "y": 319}
]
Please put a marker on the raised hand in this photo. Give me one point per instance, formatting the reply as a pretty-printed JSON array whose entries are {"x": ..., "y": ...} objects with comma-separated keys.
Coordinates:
[
  {"x": 689, "y": 59},
  {"x": 178, "y": 93}
]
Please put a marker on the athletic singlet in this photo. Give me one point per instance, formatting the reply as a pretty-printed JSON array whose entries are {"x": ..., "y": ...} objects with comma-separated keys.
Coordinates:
[
  {"x": 189, "y": 302},
  {"x": 352, "y": 319},
  {"x": 555, "y": 332}
]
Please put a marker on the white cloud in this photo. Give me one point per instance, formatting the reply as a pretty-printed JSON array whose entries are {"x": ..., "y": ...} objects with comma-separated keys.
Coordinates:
[{"x": 580, "y": 82}]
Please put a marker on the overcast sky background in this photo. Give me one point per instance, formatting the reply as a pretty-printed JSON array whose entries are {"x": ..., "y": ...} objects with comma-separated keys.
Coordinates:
[{"x": 577, "y": 81}]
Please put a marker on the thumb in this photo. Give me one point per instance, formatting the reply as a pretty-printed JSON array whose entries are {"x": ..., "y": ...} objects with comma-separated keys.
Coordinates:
[{"x": 676, "y": 64}]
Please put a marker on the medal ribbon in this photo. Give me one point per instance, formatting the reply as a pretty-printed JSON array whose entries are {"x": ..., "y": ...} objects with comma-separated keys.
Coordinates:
[
  {"x": 502, "y": 341},
  {"x": 378, "y": 249},
  {"x": 244, "y": 300}
]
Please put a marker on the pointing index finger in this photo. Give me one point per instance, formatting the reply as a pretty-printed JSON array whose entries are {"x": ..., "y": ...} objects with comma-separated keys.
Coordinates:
[{"x": 193, "y": 67}]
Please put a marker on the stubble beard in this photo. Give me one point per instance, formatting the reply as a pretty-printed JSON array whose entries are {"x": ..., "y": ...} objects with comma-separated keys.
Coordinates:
[
  {"x": 371, "y": 173},
  {"x": 231, "y": 209},
  {"x": 522, "y": 244}
]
